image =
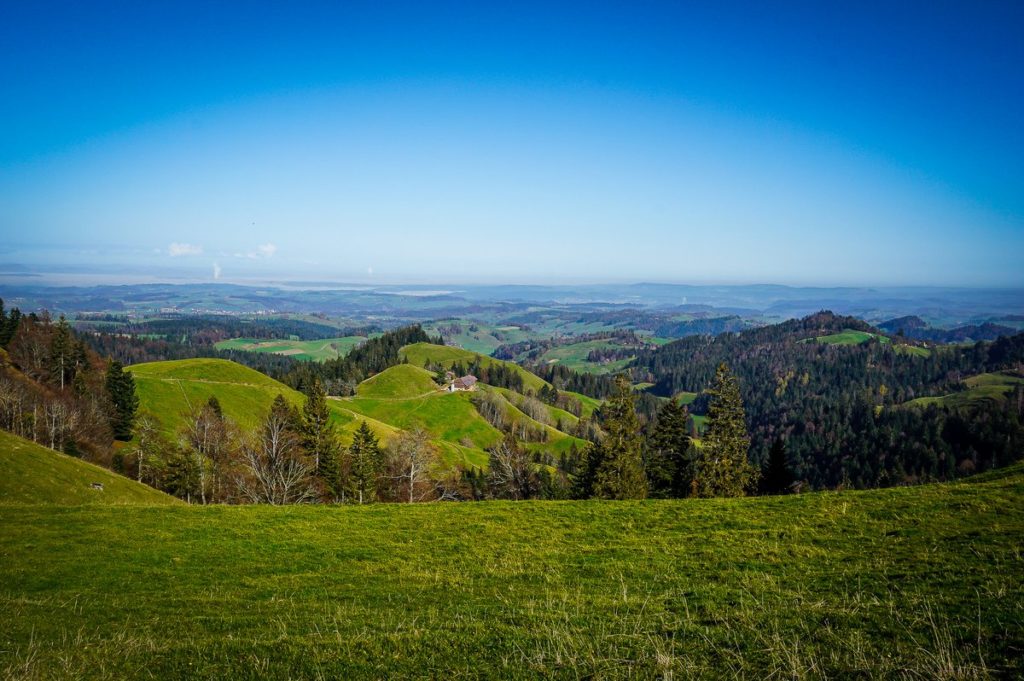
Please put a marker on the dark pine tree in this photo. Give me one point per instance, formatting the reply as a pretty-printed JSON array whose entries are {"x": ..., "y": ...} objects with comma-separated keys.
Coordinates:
[
  {"x": 722, "y": 468},
  {"x": 124, "y": 403},
  {"x": 669, "y": 468},
  {"x": 62, "y": 353},
  {"x": 320, "y": 438},
  {"x": 365, "y": 457},
  {"x": 777, "y": 476},
  {"x": 620, "y": 473}
]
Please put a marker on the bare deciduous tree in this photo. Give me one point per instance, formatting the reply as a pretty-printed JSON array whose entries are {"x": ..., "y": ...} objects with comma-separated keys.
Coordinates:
[
  {"x": 411, "y": 456},
  {"x": 512, "y": 474},
  {"x": 276, "y": 470},
  {"x": 58, "y": 419}
]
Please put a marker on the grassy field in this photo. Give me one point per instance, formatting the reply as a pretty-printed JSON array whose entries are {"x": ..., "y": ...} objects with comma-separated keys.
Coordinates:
[
  {"x": 32, "y": 474},
  {"x": 421, "y": 354},
  {"x": 478, "y": 336},
  {"x": 317, "y": 350},
  {"x": 169, "y": 390},
  {"x": 685, "y": 397},
  {"x": 913, "y": 350},
  {"x": 574, "y": 356},
  {"x": 981, "y": 388},
  {"x": 919, "y": 582},
  {"x": 402, "y": 381},
  {"x": 850, "y": 337}
]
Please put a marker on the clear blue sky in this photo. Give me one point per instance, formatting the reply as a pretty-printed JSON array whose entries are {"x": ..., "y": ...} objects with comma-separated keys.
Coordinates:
[{"x": 869, "y": 143}]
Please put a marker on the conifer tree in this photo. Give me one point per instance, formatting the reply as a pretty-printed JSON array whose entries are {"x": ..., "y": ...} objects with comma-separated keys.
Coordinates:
[
  {"x": 366, "y": 462},
  {"x": 62, "y": 350},
  {"x": 620, "y": 474},
  {"x": 777, "y": 476},
  {"x": 120, "y": 386},
  {"x": 668, "y": 464},
  {"x": 320, "y": 438},
  {"x": 214, "y": 404},
  {"x": 722, "y": 468}
]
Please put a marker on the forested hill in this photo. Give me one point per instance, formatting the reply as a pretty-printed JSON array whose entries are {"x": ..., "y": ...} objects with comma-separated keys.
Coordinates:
[{"x": 839, "y": 407}]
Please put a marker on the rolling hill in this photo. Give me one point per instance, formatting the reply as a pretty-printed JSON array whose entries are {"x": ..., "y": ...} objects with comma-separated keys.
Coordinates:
[
  {"x": 988, "y": 387},
  {"x": 910, "y": 582},
  {"x": 400, "y": 398},
  {"x": 169, "y": 390},
  {"x": 32, "y": 474},
  {"x": 422, "y": 354}
]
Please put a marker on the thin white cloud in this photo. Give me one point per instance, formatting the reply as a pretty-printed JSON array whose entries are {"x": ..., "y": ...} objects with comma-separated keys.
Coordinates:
[
  {"x": 177, "y": 250},
  {"x": 216, "y": 271},
  {"x": 262, "y": 251}
]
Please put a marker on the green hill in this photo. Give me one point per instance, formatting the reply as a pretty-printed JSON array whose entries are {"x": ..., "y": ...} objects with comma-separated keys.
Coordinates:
[
  {"x": 400, "y": 398},
  {"x": 992, "y": 387},
  {"x": 32, "y": 474},
  {"x": 169, "y": 390},
  {"x": 402, "y": 381},
  {"x": 421, "y": 354},
  {"x": 915, "y": 582}
]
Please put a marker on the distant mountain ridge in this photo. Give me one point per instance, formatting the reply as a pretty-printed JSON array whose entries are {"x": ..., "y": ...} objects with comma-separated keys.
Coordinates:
[{"x": 914, "y": 327}]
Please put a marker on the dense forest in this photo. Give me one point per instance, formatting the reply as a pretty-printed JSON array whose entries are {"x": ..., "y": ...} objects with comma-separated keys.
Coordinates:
[
  {"x": 205, "y": 330},
  {"x": 839, "y": 409}
]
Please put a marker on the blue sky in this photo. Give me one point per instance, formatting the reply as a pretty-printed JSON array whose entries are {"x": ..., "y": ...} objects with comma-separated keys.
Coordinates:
[{"x": 878, "y": 143}]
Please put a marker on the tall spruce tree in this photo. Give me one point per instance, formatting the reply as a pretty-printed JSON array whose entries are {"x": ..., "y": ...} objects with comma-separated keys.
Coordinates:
[
  {"x": 668, "y": 464},
  {"x": 320, "y": 438},
  {"x": 620, "y": 473},
  {"x": 120, "y": 386},
  {"x": 62, "y": 353},
  {"x": 366, "y": 460},
  {"x": 722, "y": 468},
  {"x": 777, "y": 476}
]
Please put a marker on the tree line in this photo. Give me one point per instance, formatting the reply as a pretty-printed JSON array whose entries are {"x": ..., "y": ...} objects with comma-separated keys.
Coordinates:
[{"x": 840, "y": 410}]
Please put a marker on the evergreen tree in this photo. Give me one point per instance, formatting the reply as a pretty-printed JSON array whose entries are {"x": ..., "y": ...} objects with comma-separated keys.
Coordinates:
[
  {"x": 214, "y": 404},
  {"x": 722, "y": 468},
  {"x": 10, "y": 327},
  {"x": 320, "y": 438},
  {"x": 120, "y": 386},
  {"x": 620, "y": 473},
  {"x": 777, "y": 477},
  {"x": 668, "y": 464},
  {"x": 586, "y": 472},
  {"x": 366, "y": 462},
  {"x": 62, "y": 351}
]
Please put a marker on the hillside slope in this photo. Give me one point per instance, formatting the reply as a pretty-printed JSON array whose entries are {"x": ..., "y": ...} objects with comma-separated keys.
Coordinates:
[
  {"x": 169, "y": 390},
  {"x": 912, "y": 582},
  {"x": 421, "y": 354},
  {"x": 32, "y": 474}
]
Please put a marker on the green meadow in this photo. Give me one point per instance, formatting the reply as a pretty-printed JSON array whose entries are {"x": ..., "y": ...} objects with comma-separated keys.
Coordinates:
[
  {"x": 33, "y": 474},
  {"x": 315, "y": 350},
  {"x": 850, "y": 337},
  {"x": 916, "y": 582},
  {"x": 992, "y": 387},
  {"x": 575, "y": 355}
]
